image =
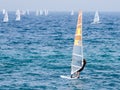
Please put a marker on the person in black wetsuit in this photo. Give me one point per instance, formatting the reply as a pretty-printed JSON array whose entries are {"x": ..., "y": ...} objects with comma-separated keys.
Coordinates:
[{"x": 77, "y": 74}]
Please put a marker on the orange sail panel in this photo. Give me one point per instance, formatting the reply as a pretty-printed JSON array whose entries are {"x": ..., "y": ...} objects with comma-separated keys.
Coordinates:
[{"x": 78, "y": 35}]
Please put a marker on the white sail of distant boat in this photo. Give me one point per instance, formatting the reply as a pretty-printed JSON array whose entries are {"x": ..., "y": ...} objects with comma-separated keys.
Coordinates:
[
  {"x": 46, "y": 12},
  {"x": 3, "y": 11},
  {"x": 96, "y": 18},
  {"x": 77, "y": 55},
  {"x": 37, "y": 12},
  {"x": 18, "y": 15},
  {"x": 27, "y": 12},
  {"x": 41, "y": 12},
  {"x": 72, "y": 12},
  {"x": 5, "y": 19}
]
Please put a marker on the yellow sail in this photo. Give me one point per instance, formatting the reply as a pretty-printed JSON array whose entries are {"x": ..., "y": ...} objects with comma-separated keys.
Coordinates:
[{"x": 78, "y": 35}]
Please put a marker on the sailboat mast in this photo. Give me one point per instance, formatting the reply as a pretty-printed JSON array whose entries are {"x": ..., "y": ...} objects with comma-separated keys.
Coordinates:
[{"x": 81, "y": 40}]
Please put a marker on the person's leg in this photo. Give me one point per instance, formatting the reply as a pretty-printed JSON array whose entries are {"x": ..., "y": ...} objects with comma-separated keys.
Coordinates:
[{"x": 78, "y": 74}]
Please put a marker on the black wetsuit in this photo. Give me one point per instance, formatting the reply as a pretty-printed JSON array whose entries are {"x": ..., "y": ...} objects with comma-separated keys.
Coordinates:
[{"x": 84, "y": 63}]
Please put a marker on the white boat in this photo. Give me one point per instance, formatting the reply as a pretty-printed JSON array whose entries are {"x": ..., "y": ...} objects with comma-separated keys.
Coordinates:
[
  {"x": 18, "y": 15},
  {"x": 5, "y": 19},
  {"x": 77, "y": 54},
  {"x": 96, "y": 19}
]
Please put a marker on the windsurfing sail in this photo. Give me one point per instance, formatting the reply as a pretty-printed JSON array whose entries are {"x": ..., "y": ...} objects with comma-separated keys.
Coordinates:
[
  {"x": 18, "y": 15},
  {"x": 5, "y": 19},
  {"x": 77, "y": 55},
  {"x": 96, "y": 18}
]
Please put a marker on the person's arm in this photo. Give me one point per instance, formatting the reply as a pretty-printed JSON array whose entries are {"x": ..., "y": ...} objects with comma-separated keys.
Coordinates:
[{"x": 84, "y": 63}]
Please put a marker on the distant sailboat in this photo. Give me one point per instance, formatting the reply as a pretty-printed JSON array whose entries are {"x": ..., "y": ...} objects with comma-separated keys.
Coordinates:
[
  {"x": 96, "y": 18},
  {"x": 18, "y": 15},
  {"x": 5, "y": 17},
  {"x": 27, "y": 12},
  {"x": 3, "y": 11},
  {"x": 77, "y": 55},
  {"x": 46, "y": 12},
  {"x": 37, "y": 12},
  {"x": 41, "y": 12},
  {"x": 72, "y": 12}
]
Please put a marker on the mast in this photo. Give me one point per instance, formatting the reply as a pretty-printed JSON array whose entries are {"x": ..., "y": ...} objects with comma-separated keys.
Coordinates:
[{"x": 77, "y": 55}]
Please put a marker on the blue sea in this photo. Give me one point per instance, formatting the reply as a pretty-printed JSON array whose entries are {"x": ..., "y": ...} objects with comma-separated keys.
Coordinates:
[{"x": 35, "y": 51}]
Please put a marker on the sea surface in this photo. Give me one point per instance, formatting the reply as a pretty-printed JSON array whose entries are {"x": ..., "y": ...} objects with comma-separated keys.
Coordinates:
[{"x": 35, "y": 51}]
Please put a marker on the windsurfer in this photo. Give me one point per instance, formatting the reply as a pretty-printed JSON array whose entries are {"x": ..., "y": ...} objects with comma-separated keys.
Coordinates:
[{"x": 77, "y": 74}]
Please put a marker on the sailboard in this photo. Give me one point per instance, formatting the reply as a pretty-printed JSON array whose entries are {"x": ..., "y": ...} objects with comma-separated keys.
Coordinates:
[
  {"x": 96, "y": 19},
  {"x": 77, "y": 55},
  {"x": 67, "y": 77}
]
